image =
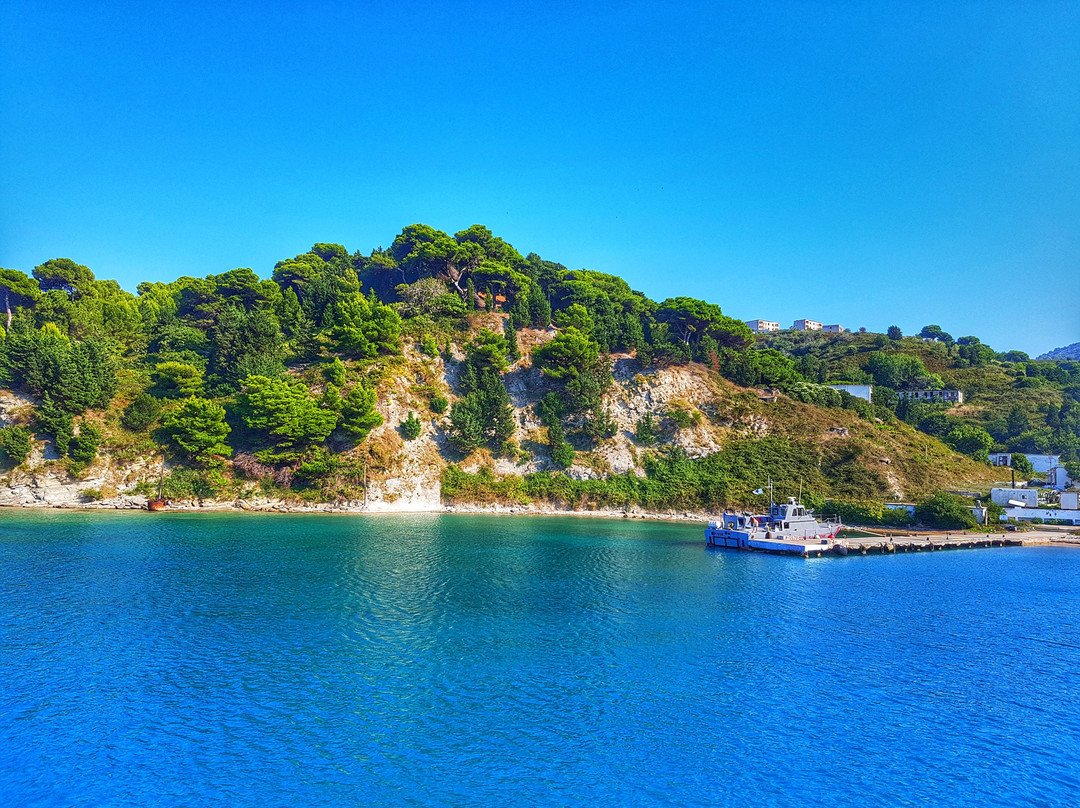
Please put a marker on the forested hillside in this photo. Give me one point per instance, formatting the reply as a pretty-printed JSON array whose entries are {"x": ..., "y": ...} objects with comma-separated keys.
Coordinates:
[
  {"x": 1011, "y": 402},
  {"x": 456, "y": 352}
]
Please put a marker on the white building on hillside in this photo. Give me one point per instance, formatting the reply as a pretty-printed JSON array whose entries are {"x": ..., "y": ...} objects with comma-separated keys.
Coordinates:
[
  {"x": 833, "y": 329},
  {"x": 762, "y": 326},
  {"x": 806, "y": 325},
  {"x": 949, "y": 396},
  {"x": 1058, "y": 479},
  {"x": 1028, "y": 497},
  {"x": 1041, "y": 463}
]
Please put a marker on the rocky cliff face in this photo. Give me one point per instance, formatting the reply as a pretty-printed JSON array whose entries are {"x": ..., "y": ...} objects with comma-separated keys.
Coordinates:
[{"x": 42, "y": 481}]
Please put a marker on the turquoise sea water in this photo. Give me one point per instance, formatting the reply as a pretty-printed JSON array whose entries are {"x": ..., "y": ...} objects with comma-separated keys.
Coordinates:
[{"x": 452, "y": 660}]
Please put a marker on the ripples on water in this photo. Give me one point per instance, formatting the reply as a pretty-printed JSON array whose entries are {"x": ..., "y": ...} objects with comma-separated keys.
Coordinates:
[{"x": 452, "y": 660}]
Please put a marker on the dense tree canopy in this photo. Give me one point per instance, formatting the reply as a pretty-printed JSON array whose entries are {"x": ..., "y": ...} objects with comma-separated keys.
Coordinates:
[
  {"x": 63, "y": 274},
  {"x": 286, "y": 414},
  {"x": 198, "y": 427},
  {"x": 568, "y": 355}
]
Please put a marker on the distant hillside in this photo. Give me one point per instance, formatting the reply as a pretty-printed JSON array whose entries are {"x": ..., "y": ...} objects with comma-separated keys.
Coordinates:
[
  {"x": 1011, "y": 403},
  {"x": 1068, "y": 352}
]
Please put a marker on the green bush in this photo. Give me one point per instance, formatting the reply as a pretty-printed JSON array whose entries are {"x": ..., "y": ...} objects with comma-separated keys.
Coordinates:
[
  {"x": 1022, "y": 465},
  {"x": 410, "y": 427},
  {"x": 563, "y": 455},
  {"x": 438, "y": 404},
  {"x": 646, "y": 432},
  {"x": 335, "y": 372},
  {"x": 599, "y": 425},
  {"x": 141, "y": 413},
  {"x": 178, "y": 380},
  {"x": 429, "y": 346},
  {"x": 680, "y": 417},
  {"x": 945, "y": 511},
  {"x": 869, "y": 513},
  {"x": 14, "y": 445},
  {"x": 198, "y": 427},
  {"x": 51, "y": 419},
  {"x": 193, "y": 484},
  {"x": 83, "y": 447}
]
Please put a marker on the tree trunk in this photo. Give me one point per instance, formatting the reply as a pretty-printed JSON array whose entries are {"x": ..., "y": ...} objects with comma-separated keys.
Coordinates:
[{"x": 7, "y": 305}]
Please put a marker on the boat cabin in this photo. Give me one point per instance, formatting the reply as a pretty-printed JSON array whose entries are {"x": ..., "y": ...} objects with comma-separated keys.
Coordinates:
[
  {"x": 783, "y": 514},
  {"x": 741, "y": 521}
]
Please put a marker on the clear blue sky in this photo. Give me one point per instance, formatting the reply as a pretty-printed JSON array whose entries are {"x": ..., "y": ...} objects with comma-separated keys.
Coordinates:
[{"x": 861, "y": 163}]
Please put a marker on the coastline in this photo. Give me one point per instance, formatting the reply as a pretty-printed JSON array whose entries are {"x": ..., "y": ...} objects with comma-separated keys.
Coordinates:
[{"x": 357, "y": 508}]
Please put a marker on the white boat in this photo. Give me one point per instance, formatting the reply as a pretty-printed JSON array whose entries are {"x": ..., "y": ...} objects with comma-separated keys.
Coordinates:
[{"x": 787, "y": 528}]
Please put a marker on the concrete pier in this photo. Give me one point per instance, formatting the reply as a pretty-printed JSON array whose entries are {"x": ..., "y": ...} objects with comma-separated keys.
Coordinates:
[{"x": 891, "y": 542}]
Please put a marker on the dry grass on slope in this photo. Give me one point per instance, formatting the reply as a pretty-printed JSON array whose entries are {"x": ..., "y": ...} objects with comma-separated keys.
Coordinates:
[{"x": 892, "y": 460}]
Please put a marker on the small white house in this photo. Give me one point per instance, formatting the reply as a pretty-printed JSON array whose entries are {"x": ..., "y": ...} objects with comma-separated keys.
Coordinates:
[
  {"x": 1071, "y": 516},
  {"x": 762, "y": 326},
  {"x": 863, "y": 391},
  {"x": 1029, "y": 497},
  {"x": 806, "y": 325},
  {"x": 833, "y": 329},
  {"x": 1058, "y": 479},
  {"x": 935, "y": 396}
]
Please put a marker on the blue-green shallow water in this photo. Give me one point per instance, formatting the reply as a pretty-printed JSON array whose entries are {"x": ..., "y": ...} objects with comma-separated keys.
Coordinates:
[{"x": 452, "y": 660}]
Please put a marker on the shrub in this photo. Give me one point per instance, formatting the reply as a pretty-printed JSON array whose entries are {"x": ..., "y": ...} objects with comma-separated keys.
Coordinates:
[
  {"x": 198, "y": 427},
  {"x": 83, "y": 447},
  {"x": 563, "y": 455},
  {"x": 178, "y": 379},
  {"x": 869, "y": 513},
  {"x": 358, "y": 413},
  {"x": 972, "y": 440},
  {"x": 646, "y": 432},
  {"x": 466, "y": 426},
  {"x": 1022, "y": 465},
  {"x": 438, "y": 404},
  {"x": 335, "y": 372},
  {"x": 682, "y": 418},
  {"x": 410, "y": 427},
  {"x": 14, "y": 445},
  {"x": 672, "y": 480},
  {"x": 945, "y": 511},
  {"x": 599, "y": 425},
  {"x": 192, "y": 484},
  {"x": 141, "y": 413},
  {"x": 429, "y": 346},
  {"x": 53, "y": 420},
  {"x": 551, "y": 409}
]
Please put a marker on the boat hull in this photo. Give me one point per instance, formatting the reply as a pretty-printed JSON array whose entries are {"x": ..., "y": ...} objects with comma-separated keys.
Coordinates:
[{"x": 767, "y": 542}]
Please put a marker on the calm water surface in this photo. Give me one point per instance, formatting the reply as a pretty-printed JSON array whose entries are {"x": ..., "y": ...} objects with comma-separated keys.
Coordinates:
[{"x": 452, "y": 660}]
